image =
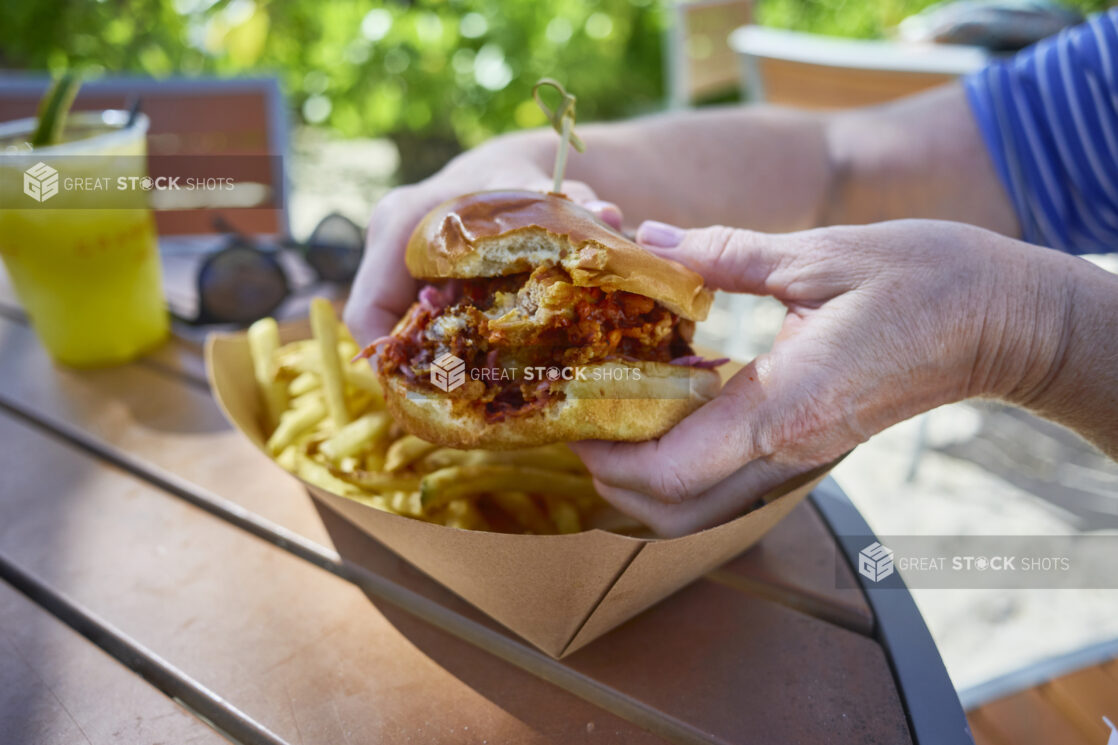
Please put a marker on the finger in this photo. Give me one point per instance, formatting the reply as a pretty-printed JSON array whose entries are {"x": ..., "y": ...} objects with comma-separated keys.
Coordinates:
[
  {"x": 383, "y": 288},
  {"x": 727, "y": 258},
  {"x": 698, "y": 452},
  {"x": 724, "y": 501},
  {"x": 607, "y": 212}
]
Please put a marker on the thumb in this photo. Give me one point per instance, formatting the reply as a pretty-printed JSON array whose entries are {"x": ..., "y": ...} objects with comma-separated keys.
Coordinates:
[{"x": 726, "y": 258}]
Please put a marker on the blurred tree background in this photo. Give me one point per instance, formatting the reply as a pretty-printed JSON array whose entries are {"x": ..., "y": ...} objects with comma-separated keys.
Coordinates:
[
  {"x": 865, "y": 19},
  {"x": 435, "y": 75}
]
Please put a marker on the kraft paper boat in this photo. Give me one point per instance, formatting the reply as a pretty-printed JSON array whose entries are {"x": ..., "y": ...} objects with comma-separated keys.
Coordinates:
[{"x": 558, "y": 592}]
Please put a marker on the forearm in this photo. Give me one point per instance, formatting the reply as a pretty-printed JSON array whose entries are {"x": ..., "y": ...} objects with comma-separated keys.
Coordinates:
[
  {"x": 922, "y": 157},
  {"x": 778, "y": 170},
  {"x": 760, "y": 167},
  {"x": 1078, "y": 385}
]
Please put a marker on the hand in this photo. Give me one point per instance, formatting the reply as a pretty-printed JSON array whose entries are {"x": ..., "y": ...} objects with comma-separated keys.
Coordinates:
[
  {"x": 383, "y": 289},
  {"x": 883, "y": 322}
]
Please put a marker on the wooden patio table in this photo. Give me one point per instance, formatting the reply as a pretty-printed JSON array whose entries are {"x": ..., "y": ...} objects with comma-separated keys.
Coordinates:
[{"x": 162, "y": 582}]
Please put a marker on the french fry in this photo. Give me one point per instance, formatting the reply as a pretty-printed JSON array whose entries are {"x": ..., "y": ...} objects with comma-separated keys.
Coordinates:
[
  {"x": 464, "y": 514},
  {"x": 406, "y": 451},
  {"x": 296, "y": 358},
  {"x": 376, "y": 501},
  {"x": 295, "y": 422},
  {"x": 356, "y": 436},
  {"x": 310, "y": 397},
  {"x": 564, "y": 515},
  {"x": 263, "y": 341},
  {"x": 398, "y": 502},
  {"x": 347, "y": 347},
  {"x": 520, "y": 507},
  {"x": 377, "y": 481},
  {"x": 415, "y": 505},
  {"x": 446, "y": 484},
  {"x": 360, "y": 375},
  {"x": 288, "y": 458},
  {"x": 548, "y": 457},
  {"x": 325, "y": 326},
  {"x": 445, "y": 457},
  {"x": 311, "y": 470},
  {"x": 304, "y": 382},
  {"x": 349, "y": 464},
  {"x": 374, "y": 460},
  {"x": 406, "y": 503}
]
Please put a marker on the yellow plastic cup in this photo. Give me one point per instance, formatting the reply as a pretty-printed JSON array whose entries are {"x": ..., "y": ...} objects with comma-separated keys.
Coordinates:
[{"x": 84, "y": 261}]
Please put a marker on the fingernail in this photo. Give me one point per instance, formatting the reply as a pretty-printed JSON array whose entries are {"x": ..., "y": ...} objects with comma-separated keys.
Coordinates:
[
  {"x": 607, "y": 212},
  {"x": 659, "y": 234}
]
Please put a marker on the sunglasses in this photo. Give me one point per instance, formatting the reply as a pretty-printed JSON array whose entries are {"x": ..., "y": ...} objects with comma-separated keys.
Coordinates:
[{"x": 245, "y": 280}]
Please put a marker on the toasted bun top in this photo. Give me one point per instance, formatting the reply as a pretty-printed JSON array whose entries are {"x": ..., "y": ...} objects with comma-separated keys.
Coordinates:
[{"x": 494, "y": 233}]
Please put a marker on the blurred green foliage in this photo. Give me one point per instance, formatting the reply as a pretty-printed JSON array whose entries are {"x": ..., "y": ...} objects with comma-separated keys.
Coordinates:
[
  {"x": 866, "y": 19},
  {"x": 437, "y": 73},
  {"x": 452, "y": 69}
]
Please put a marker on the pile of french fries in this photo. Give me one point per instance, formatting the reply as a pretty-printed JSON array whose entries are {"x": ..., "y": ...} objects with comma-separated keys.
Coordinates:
[{"x": 328, "y": 425}]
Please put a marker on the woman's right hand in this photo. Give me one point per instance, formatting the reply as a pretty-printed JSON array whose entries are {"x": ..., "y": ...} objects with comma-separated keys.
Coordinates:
[
  {"x": 383, "y": 289},
  {"x": 883, "y": 322}
]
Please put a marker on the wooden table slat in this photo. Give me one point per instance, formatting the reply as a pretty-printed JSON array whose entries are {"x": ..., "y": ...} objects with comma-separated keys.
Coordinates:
[
  {"x": 798, "y": 564},
  {"x": 1028, "y": 717},
  {"x": 984, "y": 733},
  {"x": 297, "y": 649},
  {"x": 1085, "y": 697},
  {"x": 751, "y": 669},
  {"x": 47, "y": 672}
]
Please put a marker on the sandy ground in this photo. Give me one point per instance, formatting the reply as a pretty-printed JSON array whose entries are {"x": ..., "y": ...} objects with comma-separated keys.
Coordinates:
[{"x": 981, "y": 634}]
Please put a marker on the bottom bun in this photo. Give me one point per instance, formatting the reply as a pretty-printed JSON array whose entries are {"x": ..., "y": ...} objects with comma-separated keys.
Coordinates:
[{"x": 611, "y": 403}]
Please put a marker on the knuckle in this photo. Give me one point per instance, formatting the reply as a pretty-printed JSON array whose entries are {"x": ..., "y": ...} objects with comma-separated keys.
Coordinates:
[
  {"x": 723, "y": 248},
  {"x": 670, "y": 485},
  {"x": 719, "y": 239},
  {"x": 840, "y": 242}
]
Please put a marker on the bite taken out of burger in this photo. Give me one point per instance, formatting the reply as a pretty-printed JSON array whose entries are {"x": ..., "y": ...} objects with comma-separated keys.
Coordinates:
[{"x": 540, "y": 324}]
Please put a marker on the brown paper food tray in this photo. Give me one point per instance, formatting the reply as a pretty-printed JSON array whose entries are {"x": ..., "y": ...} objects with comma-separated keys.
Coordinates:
[{"x": 558, "y": 592}]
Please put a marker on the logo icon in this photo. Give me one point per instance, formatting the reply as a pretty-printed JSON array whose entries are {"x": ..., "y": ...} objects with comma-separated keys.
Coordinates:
[
  {"x": 40, "y": 182},
  {"x": 448, "y": 372},
  {"x": 875, "y": 562}
]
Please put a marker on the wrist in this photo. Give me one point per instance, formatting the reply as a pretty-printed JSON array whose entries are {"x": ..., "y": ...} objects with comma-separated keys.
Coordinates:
[{"x": 1025, "y": 331}]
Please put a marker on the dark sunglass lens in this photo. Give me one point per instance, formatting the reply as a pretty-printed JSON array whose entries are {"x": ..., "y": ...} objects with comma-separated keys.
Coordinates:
[
  {"x": 335, "y": 247},
  {"x": 239, "y": 285}
]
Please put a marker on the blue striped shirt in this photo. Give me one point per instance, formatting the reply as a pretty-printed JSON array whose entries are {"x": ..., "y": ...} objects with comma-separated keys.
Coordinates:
[{"x": 1049, "y": 117}]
